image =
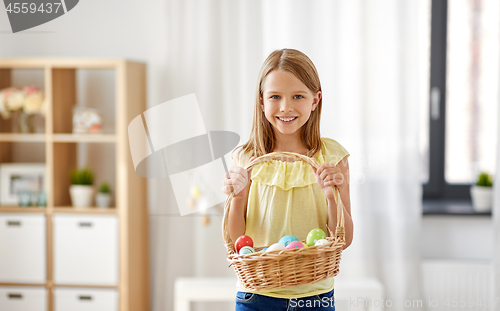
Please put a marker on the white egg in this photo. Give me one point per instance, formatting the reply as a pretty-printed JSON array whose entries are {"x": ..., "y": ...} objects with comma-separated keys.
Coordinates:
[
  {"x": 321, "y": 242},
  {"x": 275, "y": 247}
]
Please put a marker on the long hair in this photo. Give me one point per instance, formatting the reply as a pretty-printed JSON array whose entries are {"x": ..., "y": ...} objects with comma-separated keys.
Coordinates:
[{"x": 262, "y": 139}]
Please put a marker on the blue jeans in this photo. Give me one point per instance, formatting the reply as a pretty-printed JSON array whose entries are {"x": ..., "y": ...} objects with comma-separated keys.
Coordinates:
[{"x": 256, "y": 302}]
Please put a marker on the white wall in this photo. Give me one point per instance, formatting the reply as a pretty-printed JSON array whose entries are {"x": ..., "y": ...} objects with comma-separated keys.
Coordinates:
[{"x": 457, "y": 237}]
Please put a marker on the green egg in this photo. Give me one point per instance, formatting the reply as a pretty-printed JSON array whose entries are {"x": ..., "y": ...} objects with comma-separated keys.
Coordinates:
[{"x": 315, "y": 235}]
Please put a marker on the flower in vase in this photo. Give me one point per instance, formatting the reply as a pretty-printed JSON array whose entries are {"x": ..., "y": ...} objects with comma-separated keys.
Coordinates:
[
  {"x": 30, "y": 89},
  {"x": 33, "y": 103},
  {"x": 5, "y": 95},
  {"x": 15, "y": 100}
]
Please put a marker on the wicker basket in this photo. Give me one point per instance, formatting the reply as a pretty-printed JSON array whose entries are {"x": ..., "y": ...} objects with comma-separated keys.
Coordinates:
[{"x": 290, "y": 267}]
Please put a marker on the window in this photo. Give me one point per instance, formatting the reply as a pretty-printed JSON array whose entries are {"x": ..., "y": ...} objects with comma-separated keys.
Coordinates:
[{"x": 459, "y": 82}]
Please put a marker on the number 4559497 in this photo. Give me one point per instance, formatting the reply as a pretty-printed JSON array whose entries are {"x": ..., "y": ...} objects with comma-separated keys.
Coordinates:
[{"x": 32, "y": 8}]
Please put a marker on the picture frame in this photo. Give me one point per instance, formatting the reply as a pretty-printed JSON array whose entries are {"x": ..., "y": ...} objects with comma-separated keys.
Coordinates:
[{"x": 16, "y": 177}]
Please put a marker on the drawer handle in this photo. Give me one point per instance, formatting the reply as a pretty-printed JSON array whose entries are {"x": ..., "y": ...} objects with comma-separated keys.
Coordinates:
[
  {"x": 13, "y": 223},
  {"x": 85, "y": 297},
  {"x": 85, "y": 224},
  {"x": 15, "y": 296}
]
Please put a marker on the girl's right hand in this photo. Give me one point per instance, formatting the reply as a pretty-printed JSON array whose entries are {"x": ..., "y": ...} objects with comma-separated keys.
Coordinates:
[{"x": 237, "y": 179}]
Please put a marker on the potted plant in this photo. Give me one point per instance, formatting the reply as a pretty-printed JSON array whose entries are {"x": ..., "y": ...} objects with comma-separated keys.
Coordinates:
[
  {"x": 103, "y": 196},
  {"x": 81, "y": 189},
  {"x": 482, "y": 193}
]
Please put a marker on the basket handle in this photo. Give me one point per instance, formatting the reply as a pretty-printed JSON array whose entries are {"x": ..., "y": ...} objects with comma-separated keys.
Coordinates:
[{"x": 339, "y": 230}]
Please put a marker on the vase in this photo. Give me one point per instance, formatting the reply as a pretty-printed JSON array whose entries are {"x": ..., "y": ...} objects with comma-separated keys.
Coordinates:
[
  {"x": 81, "y": 196},
  {"x": 103, "y": 200},
  {"x": 24, "y": 123},
  {"x": 482, "y": 198},
  {"x": 20, "y": 122}
]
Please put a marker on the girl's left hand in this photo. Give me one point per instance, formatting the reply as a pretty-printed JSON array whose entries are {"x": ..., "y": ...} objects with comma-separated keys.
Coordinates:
[{"x": 329, "y": 175}]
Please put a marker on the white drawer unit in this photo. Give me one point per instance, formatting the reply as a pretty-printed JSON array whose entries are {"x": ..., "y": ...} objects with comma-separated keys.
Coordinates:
[
  {"x": 23, "y": 298},
  {"x": 22, "y": 248},
  {"x": 83, "y": 299},
  {"x": 85, "y": 249}
]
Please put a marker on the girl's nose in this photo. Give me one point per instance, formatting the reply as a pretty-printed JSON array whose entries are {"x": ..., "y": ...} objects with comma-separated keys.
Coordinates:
[{"x": 286, "y": 106}]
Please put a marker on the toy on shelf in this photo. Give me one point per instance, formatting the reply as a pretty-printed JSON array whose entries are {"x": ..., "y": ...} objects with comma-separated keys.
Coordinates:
[{"x": 86, "y": 120}]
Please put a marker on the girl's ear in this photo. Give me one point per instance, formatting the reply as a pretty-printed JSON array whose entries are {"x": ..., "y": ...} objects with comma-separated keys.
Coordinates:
[{"x": 316, "y": 100}]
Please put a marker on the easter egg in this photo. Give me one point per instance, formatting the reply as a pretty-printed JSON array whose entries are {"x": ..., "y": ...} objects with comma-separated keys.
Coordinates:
[
  {"x": 275, "y": 247},
  {"x": 263, "y": 250},
  {"x": 321, "y": 242},
  {"x": 246, "y": 250},
  {"x": 315, "y": 235},
  {"x": 287, "y": 239},
  {"x": 243, "y": 240},
  {"x": 295, "y": 244}
]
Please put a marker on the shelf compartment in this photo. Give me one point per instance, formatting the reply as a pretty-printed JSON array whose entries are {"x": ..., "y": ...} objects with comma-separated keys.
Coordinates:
[
  {"x": 77, "y": 240},
  {"x": 99, "y": 157},
  {"x": 23, "y": 248},
  {"x": 22, "y": 152},
  {"x": 19, "y": 78},
  {"x": 85, "y": 299},
  {"x": 72, "y": 87},
  {"x": 22, "y": 298}
]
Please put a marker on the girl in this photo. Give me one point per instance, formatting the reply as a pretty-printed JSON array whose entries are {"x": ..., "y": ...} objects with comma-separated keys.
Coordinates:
[{"x": 285, "y": 197}]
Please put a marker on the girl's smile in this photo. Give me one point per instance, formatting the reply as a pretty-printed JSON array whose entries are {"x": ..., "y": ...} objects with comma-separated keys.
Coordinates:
[{"x": 287, "y": 120}]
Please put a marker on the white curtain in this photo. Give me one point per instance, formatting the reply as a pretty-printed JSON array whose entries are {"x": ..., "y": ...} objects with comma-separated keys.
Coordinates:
[
  {"x": 366, "y": 55},
  {"x": 496, "y": 221}
]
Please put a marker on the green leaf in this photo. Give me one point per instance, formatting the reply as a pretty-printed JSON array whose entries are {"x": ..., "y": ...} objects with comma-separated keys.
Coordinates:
[
  {"x": 484, "y": 180},
  {"x": 82, "y": 176},
  {"x": 104, "y": 188}
]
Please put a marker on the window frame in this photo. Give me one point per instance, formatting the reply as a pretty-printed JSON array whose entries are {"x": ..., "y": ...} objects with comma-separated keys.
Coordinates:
[{"x": 436, "y": 187}]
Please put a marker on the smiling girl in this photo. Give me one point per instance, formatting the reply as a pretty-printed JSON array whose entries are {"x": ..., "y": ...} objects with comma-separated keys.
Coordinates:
[{"x": 285, "y": 197}]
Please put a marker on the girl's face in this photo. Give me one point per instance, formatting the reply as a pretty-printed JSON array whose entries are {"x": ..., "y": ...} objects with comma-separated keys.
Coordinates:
[{"x": 287, "y": 102}]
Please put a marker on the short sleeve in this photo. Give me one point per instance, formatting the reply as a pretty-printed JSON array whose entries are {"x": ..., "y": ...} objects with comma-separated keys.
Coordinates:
[{"x": 331, "y": 151}]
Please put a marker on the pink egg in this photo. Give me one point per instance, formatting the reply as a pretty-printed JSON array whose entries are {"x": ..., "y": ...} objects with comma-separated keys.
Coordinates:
[
  {"x": 243, "y": 240},
  {"x": 295, "y": 244}
]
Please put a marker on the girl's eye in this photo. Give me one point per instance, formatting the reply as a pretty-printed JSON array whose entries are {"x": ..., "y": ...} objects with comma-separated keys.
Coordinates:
[
  {"x": 273, "y": 97},
  {"x": 300, "y": 96}
]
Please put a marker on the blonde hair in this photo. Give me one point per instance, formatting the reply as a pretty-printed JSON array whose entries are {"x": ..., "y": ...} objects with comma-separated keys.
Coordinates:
[{"x": 262, "y": 139}]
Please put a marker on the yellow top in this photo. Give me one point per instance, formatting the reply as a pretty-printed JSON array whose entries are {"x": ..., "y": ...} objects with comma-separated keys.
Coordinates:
[{"x": 284, "y": 199}]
